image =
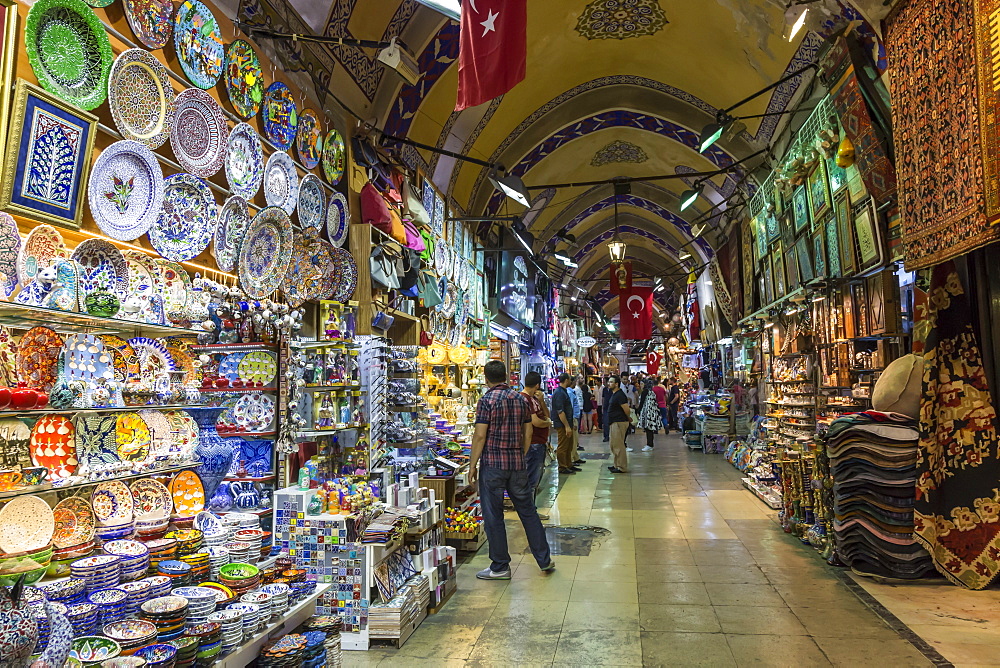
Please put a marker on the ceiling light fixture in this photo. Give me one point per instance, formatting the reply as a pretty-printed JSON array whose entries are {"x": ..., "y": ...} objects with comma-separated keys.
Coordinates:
[
  {"x": 617, "y": 247},
  {"x": 689, "y": 197},
  {"x": 512, "y": 186},
  {"x": 685, "y": 256},
  {"x": 395, "y": 57},
  {"x": 522, "y": 235},
  {"x": 795, "y": 17}
]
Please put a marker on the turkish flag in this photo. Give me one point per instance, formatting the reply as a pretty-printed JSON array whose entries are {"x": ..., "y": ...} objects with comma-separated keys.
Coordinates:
[
  {"x": 653, "y": 360},
  {"x": 636, "y": 314},
  {"x": 492, "y": 50}
]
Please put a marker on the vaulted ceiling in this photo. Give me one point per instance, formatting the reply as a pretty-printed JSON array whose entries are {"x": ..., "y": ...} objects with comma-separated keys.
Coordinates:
[{"x": 614, "y": 88}]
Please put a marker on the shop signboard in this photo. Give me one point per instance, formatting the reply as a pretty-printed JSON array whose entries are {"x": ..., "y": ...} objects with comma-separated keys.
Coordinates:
[{"x": 586, "y": 342}]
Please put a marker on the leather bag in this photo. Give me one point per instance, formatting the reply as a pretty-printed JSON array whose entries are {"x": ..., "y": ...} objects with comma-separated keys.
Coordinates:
[{"x": 383, "y": 268}]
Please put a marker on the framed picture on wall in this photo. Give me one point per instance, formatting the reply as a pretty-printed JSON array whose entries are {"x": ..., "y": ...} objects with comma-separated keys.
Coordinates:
[
  {"x": 760, "y": 237},
  {"x": 792, "y": 269},
  {"x": 780, "y": 290},
  {"x": 836, "y": 175},
  {"x": 845, "y": 234},
  {"x": 803, "y": 254},
  {"x": 8, "y": 49},
  {"x": 819, "y": 251},
  {"x": 832, "y": 247},
  {"x": 819, "y": 191},
  {"x": 787, "y": 226},
  {"x": 768, "y": 281},
  {"x": 771, "y": 224},
  {"x": 869, "y": 236},
  {"x": 762, "y": 286},
  {"x": 800, "y": 209}
]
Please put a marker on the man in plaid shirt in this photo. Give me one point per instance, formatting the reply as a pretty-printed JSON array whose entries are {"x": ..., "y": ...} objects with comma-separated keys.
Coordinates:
[{"x": 501, "y": 440}]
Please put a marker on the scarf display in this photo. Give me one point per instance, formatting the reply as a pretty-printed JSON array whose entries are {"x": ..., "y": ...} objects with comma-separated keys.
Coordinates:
[
  {"x": 957, "y": 510},
  {"x": 649, "y": 415}
]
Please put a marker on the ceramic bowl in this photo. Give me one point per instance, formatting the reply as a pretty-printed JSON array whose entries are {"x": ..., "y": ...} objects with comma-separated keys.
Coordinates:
[
  {"x": 122, "y": 662},
  {"x": 30, "y": 576},
  {"x": 130, "y": 631},
  {"x": 164, "y": 606},
  {"x": 238, "y": 571},
  {"x": 93, "y": 649},
  {"x": 157, "y": 654}
]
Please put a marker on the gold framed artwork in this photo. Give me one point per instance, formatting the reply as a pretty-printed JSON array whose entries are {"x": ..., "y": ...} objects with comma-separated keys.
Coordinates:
[
  {"x": 845, "y": 234},
  {"x": 780, "y": 289},
  {"x": 791, "y": 269},
  {"x": 866, "y": 229},
  {"x": 800, "y": 209},
  {"x": 836, "y": 175},
  {"x": 802, "y": 253},
  {"x": 819, "y": 251},
  {"x": 8, "y": 47},
  {"x": 819, "y": 191},
  {"x": 48, "y": 158},
  {"x": 768, "y": 281},
  {"x": 832, "y": 247}
]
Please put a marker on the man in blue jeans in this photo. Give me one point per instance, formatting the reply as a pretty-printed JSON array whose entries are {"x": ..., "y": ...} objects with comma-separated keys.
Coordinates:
[
  {"x": 540, "y": 425},
  {"x": 499, "y": 445}
]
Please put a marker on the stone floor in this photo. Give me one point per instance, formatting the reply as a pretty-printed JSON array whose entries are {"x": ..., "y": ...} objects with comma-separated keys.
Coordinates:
[{"x": 695, "y": 572}]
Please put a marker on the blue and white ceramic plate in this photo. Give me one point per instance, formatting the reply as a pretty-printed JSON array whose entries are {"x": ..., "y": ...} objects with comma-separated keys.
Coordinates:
[
  {"x": 281, "y": 182},
  {"x": 188, "y": 219},
  {"x": 125, "y": 191},
  {"x": 265, "y": 253},
  {"x": 229, "y": 366},
  {"x": 244, "y": 161},
  {"x": 234, "y": 218},
  {"x": 337, "y": 219},
  {"x": 312, "y": 203}
]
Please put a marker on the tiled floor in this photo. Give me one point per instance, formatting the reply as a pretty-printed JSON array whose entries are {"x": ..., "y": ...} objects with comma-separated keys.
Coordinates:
[{"x": 695, "y": 573}]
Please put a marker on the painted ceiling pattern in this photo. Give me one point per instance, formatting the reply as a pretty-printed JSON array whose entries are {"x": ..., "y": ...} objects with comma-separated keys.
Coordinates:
[
  {"x": 621, "y": 19},
  {"x": 619, "y": 151}
]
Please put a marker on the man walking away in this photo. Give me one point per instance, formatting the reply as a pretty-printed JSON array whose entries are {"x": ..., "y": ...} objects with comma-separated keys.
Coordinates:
[
  {"x": 605, "y": 404},
  {"x": 562, "y": 418},
  {"x": 673, "y": 402},
  {"x": 660, "y": 390},
  {"x": 576, "y": 396},
  {"x": 618, "y": 416},
  {"x": 499, "y": 445},
  {"x": 540, "y": 424}
]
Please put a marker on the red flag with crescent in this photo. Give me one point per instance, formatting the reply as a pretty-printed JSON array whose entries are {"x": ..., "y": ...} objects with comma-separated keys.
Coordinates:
[
  {"x": 636, "y": 314},
  {"x": 492, "y": 51},
  {"x": 653, "y": 360}
]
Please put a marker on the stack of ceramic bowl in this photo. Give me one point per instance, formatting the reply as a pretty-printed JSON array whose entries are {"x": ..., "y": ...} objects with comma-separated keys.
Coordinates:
[
  {"x": 114, "y": 532},
  {"x": 131, "y": 634},
  {"x": 42, "y": 619},
  {"x": 266, "y": 544},
  {"x": 168, "y": 613},
  {"x": 68, "y": 591},
  {"x": 134, "y": 558},
  {"x": 177, "y": 571},
  {"x": 91, "y": 650},
  {"x": 113, "y": 604},
  {"x": 209, "y": 523},
  {"x": 187, "y": 651},
  {"x": 63, "y": 557},
  {"x": 138, "y": 593},
  {"x": 123, "y": 662},
  {"x": 314, "y": 655},
  {"x": 294, "y": 574},
  {"x": 158, "y": 656},
  {"x": 331, "y": 626},
  {"x": 209, "y": 636},
  {"x": 216, "y": 539},
  {"x": 241, "y": 521},
  {"x": 217, "y": 558},
  {"x": 241, "y": 578},
  {"x": 262, "y": 600},
  {"x": 188, "y": 540},
  {"x": 253, "y": 538},
  {"x": 232, "y": 627},
  {"x": 285, "y": 651},
  {"x": 300, "y": 591},
  {"x": 161, "y": 549},
  {"x": 251, "y": 617},
  {"x": 101, "y": 571},
  {"x": 159, "y": 585},
  {"x": 84, "y": 617},
  {"x": 201, "y": 603},
  {"x": 279, "y": 597},
  {"x": 223, "y": 594},
  {"x": 239, "y": 552},
  {"x": 200, "y": 566},
  {"x": 151, "y": 529}
]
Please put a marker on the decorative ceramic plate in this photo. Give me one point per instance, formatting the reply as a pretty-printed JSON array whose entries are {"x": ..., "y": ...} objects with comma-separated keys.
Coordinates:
[
  {"x": 280, "y": 117},
  {"x": 265, "y": 252},
  {"x": 154, "y": 358},
  {"x": 234, "y": 218},
  {"x": 26, "y": 523},
  {"x": 198, "y": 43},
  {"x": 441, "y": 257},
  {"x": 319, "y": 256},
  {"x": 151, "y": 499},
  {"x": 150, "y": 20},
  {"x": 200, "y": 133},
  {"x": 159, "y": 429},
  {"x": 84, "y": 358},
  {"x": 126, "y": 190},
  {"x": 281, "y": 182},
  {"x": 309, "y": 139},
  {"x": 176, "y": 283},
  {"x": 312, "y": 203},
  {"x": 82, "y": 522},
  {"x": 301, "y": 271},
  {"x": 244, "y": 78},
  {"x": 141, "y": 97},
  {"x": 185, "y": 431},
  {"x": 333, "y": 157},
  {"x": 188, "y": 219},
  {"x": 38, "y": 358},
  {"x": 69, "y": 51},
  {"x": 337, "y": 219},
  {"x": 133, "y": 437},
  {"x": 53, "y": 445},
  {"x": 183, "y": 361},
  {"x": 95, "y": 441},
  {"x": 10, "y": 247},
  {"x": 348, "y": 275},
  {"x": 112, "y": 502},
  {"x": 42, "y": 247},
  {"x": 244, "y": 161},
  {"x": 96, "y": 253},
  {"x": 144, "y": 279},
  {"x": 229, "y": 366},
  {"x": 188, "y": 494},
  {"x": 259, "y": 367},
  {"x": 8, "y": 359},
  {"x": 123, "y": 357},
  {"x": 330, "y": 281}
]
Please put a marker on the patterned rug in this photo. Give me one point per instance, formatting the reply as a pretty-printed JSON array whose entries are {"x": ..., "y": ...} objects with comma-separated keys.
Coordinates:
[{"x": 957, "y": 512}]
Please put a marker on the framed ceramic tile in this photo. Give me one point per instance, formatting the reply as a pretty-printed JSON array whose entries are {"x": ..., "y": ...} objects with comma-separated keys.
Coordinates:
[
  {"x": 771, "y": 225},
  {"x": 48, "y": 158},
  {"x": 8, "y": 49},
  {"x": 845, "y": 234},
  {"x": 778, "y": 263},
  {"x": 787, "y": 225},
  {"x": 803, "y": 252},
  {"x": 832, "y": 247},
  {"x": 866, "y": 229},
  {"x": 800, "y": 209},
  {"x": 768, "y": 281},
  {"x": 818, "y": 240},
  {"x": 760, "y": 236},
  {"x": 791, "y": 269},
  {"x": 819, "y": 191},
  {"x": 836, "y": 175}
]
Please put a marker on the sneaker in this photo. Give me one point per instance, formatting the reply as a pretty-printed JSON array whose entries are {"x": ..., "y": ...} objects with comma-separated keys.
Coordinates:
[
  {"x": 629, "y": 450},
  {"x": 551, "y": 567},
  {"x": 488, "y": 574},
  {"x": 574, "y": 469},
  {"x": 646, "y": 448},
  {"x": 579, "y": 461}
]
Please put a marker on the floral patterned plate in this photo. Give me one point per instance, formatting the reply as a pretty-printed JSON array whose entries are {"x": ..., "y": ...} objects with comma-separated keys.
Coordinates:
[
  {"x": 95, "y": 441},
  {"x": 280, "y": 117},
  {"x": 152, "y": 499},
  {"x": 281, "y": 182},
  {"x": 348, "y": 275},
  {"x": 42, "y": 247},
  {"x": 198, "y": 43},
  {"x": 312, "y": 203},
  {"x": 188, "y": 494},
  {"x": 265, "y": 252},
  {"x": 95, "y": 254},
  {"x": 82, "y": 522},
  {"x": 141, "y": 97},
  {"x": 10, "y": 247},
  {"x": 133, "y": 437},
  {"x": 320, "y": 254},
  {"x": 112, "y": 502},
  {"x": 337, "y": 219},
  {"x": 309, "y": 139},
  {"x": 176, "y": 283},
  {"x": 188, "y": 219},
  {"x": 38, "y": 357},
  {"x": 244, "y": 78},
  {"x": 200, "y": 133},
  {"x": 301, "y": 272},
  {"x": 53, "y": 445},
  {"x": 233, "y": 222},
  {"x": 154, "y": 358},
  {"x": 150, "y": 20},
  {"x": 123, "y": 357},
  {"x": 125, "y": 191},
  {"x": 259, "y": 367},
  {"x": 26, "y": 523},
  {"x": 334, "y": 155},
  {"x": 244, "y": 161}
]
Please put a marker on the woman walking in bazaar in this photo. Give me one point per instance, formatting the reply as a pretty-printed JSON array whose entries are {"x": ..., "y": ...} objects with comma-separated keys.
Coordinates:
[{"x": 650, "y": 418}]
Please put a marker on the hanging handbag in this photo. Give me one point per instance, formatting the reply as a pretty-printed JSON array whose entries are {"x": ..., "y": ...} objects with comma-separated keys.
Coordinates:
[
  {"x": 396, "y": 229},
  {"x": 413, "y": 239},
  {"x": 427, "y": 255},
  {"x": 427, "y": 290},
  {"x": 383, "y": 268},
  {"x": 426, "y": 335},
  {"x": 374, "y": 209},
  {"x": 411, "y": 271},
  {"x": 415, "y": 206}
]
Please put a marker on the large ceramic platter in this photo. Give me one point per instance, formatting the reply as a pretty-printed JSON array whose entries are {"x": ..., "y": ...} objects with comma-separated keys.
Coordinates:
[
  {"x": 69, "y": 51},
  {"x": 176, "y": 283},
  {"x": 244, "y": 161},
  {"x": 188, "y": 219},
  {"x": 184, "y": 433},
  {"x": 160, "y": 431},
  {"x": 84, "y": 358},
  {"x": 95, "y": 441},
  {"x": 312, "y": 203},
  {"x": 94, "y": 254},
  {"x": 144, "y": 277},
  {"x": 183, "y": 361},
  {"x": 151, "y": 499},
  {"x": 42, "y": 247},
  {"x": 244, "y": 78},
  {"x": 150, "y": 20},
  {"x": 259, "y": 367},
  {"x": 265, "y": 252},
  {"x": 309, "y": 139},
  {"x": 126, "y": 190},
  {"x": 112, "y": 502},
  {"x": 334, "y": 155},
  {"x": 281, "y": 182},
  {"x": 53, "y": 445},
  {"x": 229, "y": 366},
  {"x": 321, "y": 255},
  {"x": 38, "y": 358},
  {"x": 26, "y": 523},
  {"x": 280, "y": 118},
  {"x": 188, "y": 494},
  {"x": 10, "y": 247},
  {"x": 124, "y": 359},
  {"x": 337, "y": 219},
  {"x": 233, "y": 222},
  {"x": 141, "y": 97},
  {"x": 154, "y": 358},
  {"x": 348, "y": 275},
  {"x": 8, "y": 359},
  {"x": 82, "y": 522},
  {"x": 132, "y": 437},
  {"x": 200, "y": 133},
  {"x": 301, "y": 272},
  {"x": 198, "y": 43}
]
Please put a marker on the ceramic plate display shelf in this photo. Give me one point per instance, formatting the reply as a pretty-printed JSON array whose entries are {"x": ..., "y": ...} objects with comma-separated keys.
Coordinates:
[
  {"x": 98, "y": 255},
  {"x": 124, "y": 359},
  {"x": 85, "y": 359},
  {"x": 141, "y": 97},
  {"x": 300, "y": 274},
  {"x": 69, "y": 51},
  {"x": 53, "y": 445},
  {"x": 132, "y": 437},
  {"x": 333, "y": 157},
  {"x": 125, "y": 190},
  {"x": 42, "y": 247},
  {"x": 151, "y": 500},
  {"x": 337, "y": 219},
  {"x": 259, "y": 367},
  {"x": 280, "y": 118},
  {"x": 200, "y": 133},
  {"x": 244, "y": 78},
  {"x": 309, "y": 139},
  {"x": 348, "y": 275},
  {"x": 176, "y": 283},
  {"x": 26, "y": 523},
  {"x": 198, "y": 43},
  {"x": 188, "y": 219},
  {"x": 188, "y": 494},
  {"x": 151, "y": 21},
  {"x": 265, "y": 252},
  {"x": 112, "y": 502},
  {"x": 95, "y": 441},
  {"x": 312, "y": 204},
  {"x": 74, "y": 518},
  {"x": 10, "y": 247},
  {"x": 234, "y": 218},
  {"x": 38, "y": 358},
  {"x": 244, "y": 161},
  {"x": 281, "y": 182}
]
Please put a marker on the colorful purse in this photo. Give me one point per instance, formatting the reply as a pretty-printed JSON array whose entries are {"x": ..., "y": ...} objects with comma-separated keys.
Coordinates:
[{"x": 426, "y": 335}]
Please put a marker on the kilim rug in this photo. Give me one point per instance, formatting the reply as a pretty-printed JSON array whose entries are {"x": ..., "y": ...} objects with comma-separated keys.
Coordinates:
[
  {"x": 957, "y": 511},
  {"x": 722, "y": 295}
]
